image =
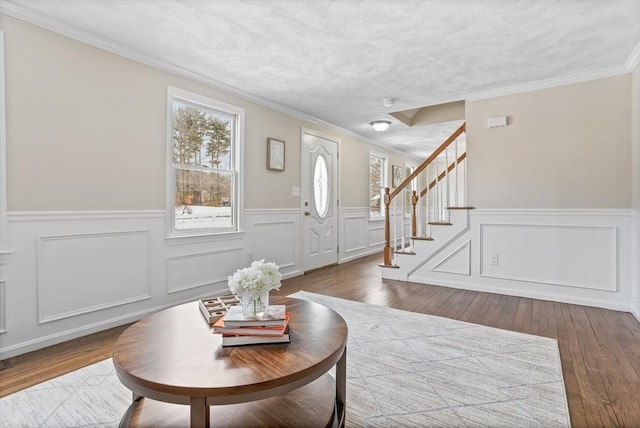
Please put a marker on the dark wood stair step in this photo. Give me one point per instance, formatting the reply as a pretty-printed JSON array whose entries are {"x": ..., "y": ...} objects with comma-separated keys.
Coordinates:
[
  {"x": 422, "y": 238},
  {"x": 440, "y": 223},
  {"x": 460, "y": 208}
]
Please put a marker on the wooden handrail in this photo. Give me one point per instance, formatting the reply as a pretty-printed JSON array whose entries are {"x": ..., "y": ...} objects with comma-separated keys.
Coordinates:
[
  {"x": 427, "y": 161},
  {"x": 388, "y": 196},
  {"x": 443, "y": 174}
]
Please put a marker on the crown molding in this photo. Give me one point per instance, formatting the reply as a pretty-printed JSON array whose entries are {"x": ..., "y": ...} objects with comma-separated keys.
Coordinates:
[
  {"x": 634, "y": 59},
  {"x": 20, "y": 12},
  {"x": 550, "y": 83}
]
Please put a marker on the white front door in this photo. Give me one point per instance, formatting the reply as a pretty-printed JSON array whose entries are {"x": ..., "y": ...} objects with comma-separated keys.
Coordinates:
[{"x": 319, "y": 200}]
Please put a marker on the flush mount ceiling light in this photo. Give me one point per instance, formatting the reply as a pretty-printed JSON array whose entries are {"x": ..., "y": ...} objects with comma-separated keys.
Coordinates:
[{"x": 380, "y": 125}]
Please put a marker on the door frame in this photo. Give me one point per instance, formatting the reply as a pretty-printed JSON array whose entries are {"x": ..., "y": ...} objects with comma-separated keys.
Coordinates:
[{"x": 336, "y": 140}]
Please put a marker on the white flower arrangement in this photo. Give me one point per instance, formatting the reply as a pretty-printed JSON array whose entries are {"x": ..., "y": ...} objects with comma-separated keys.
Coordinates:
[{"x": 260, "y": 277}]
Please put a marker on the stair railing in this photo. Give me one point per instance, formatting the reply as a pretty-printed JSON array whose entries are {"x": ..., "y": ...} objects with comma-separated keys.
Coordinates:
[{"x": 431, "y": 205}]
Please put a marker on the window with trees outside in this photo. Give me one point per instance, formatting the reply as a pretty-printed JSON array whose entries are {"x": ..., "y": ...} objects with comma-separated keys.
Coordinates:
[
  {"x": 204, "y": 173},
  {"x": 408, "y": 170},
  {"x": 377, "y": 183}
]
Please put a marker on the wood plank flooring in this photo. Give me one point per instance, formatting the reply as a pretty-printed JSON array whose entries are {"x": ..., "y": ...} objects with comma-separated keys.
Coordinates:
[{"x": 599, "y": 349}]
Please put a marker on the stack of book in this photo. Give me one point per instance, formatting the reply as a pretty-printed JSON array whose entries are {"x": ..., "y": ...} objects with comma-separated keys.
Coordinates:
[{"x": 236, "y": 330}]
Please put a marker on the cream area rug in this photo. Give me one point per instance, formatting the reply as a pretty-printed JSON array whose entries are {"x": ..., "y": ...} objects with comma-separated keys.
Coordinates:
[{"x": 404, "y": 369}]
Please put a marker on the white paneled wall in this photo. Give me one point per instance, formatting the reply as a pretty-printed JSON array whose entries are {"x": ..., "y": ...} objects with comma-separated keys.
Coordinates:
[
  {"x": 68, "y": 274},
  {"x": 99, "y": 270},
  {"x": 635, "y": 259},
  {"x": 569, "y": 256},
  {"x": 274, "y": 235},
  {"x": 359, "y": 236},
  {"x": 574, "y": 256}
]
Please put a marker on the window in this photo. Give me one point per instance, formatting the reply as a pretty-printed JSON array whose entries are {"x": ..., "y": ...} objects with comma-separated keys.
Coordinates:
[
  {"x": 408, "y": 170},
  {"x": 377, "y": 183},
  {"x": 205, "y": 139},
  {"x": 321, "y": 187}
]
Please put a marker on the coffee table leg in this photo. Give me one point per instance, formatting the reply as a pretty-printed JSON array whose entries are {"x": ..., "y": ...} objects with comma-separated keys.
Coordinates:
[
  {"x": 199, "y": 412},
  {"x": 341, "y": 388}
]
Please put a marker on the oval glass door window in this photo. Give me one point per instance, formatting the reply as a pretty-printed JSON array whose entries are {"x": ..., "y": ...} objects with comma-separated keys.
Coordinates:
[{"x": 321, "y": 187}]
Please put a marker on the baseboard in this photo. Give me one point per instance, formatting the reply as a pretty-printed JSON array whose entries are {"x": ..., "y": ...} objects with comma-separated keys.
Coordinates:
[
  {"x": 635, "y": 309},
  {"x": 598, "y": 303},
  {"x": 292, "y": 274}
]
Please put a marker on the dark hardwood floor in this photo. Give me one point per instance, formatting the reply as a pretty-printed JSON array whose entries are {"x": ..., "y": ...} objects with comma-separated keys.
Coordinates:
[{"x": 600, "y": 349}]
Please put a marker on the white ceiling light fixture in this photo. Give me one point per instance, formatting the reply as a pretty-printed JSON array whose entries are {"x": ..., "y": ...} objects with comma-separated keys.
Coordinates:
[{"x": 380, "y": 125}]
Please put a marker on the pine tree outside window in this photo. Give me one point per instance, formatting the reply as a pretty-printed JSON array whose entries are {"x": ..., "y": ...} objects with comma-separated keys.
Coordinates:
[{"x": 377, "y": 183}]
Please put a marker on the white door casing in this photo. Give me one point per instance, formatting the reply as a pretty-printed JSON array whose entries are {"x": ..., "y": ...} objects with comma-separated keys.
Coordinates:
[{"x": 319, "y": 183}]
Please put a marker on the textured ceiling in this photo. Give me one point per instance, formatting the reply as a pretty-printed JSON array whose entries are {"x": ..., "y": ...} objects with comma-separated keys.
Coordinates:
[{"x": 338, "y": 60}]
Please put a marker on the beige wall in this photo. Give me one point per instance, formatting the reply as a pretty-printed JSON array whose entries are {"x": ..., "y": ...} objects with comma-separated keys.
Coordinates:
[
  {"x": 86, "y": 131},
  {"x": 564, "y": 147}
]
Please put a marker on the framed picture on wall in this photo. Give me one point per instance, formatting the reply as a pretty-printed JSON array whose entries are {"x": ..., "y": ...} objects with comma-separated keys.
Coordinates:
[
  {"x": 396, "y": 175},
  {"x": 275, "y": 154}
]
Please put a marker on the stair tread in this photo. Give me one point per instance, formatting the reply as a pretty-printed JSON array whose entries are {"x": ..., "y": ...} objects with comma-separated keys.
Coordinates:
[
  {"x": 440, "y": 223},
  {"x": 412, "y": 253},
  {"x": 460, "y": 208},
  {"x": 389, "y": 266},
  {"x": 423, "y": 238}
]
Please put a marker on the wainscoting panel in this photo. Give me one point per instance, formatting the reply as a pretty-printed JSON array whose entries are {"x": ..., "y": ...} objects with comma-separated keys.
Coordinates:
[
  {"x": 355, "y": 237},
  {"x": 572, "y": 256},
  {"x": 275, "y": 235},
  {"x": 458, "y": 261},
  {"x": 189, "y": 271},
  {"x": 358, "y": 235},
  {"x": 277, "y": 240},
  {"x": 376, "y": 234},
  {"x": 81, "y": 273}
]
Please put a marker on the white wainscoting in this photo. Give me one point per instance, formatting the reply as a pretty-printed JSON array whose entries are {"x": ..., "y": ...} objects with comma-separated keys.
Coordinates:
[
  {"x": 4, "y": 264},
  {"x": 87, "y": 272},
  {"x": 359, "y": 236},
  {"x": 3, "y": 306},
  {"x": 275, "y": 235},
  {"x": 72, "y": 273},
  {"x": 69, "y": 274},
  {"x": 635, "y": 264},
  {"x": 189, "y": 271},
  {"x": 573, "y": 256}
]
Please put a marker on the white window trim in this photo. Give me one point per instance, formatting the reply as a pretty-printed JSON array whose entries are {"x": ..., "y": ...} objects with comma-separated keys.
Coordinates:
[
  {"x": 177, "y": 94},
  {"x": 385, "y": 177}
]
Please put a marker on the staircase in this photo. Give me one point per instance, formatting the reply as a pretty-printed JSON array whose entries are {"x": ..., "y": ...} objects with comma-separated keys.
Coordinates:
[{"x": 439, "y": 215}]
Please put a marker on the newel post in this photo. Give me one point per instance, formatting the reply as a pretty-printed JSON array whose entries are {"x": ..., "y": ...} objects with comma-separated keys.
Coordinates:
[
  {"x": 414, "y": 202},
  {"x": 387, "y": 229}
]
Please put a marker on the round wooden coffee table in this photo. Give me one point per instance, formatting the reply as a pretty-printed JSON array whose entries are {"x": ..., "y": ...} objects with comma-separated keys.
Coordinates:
[{"x": 171, "y": 359}]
